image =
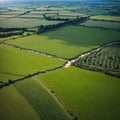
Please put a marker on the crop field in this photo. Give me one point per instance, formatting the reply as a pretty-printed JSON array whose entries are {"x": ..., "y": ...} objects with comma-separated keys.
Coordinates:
[
  {"x": 21, "y": 109},
  {"x": 106, "y": 18},
  {"x": 106, "y": 60},
  {"x": 33, "y": 15},
  {"x": 19, "y": 62},
  {"x": 66, "y": 14},
  {"x": 102, "y": 24},
  {"x": 90, "y": 95},
  {"x": 59, "y": 60},
  {"x": 45, "y": 104},
  {"x": 81, "y": 40},
  {"x": 22, "y": 22}
]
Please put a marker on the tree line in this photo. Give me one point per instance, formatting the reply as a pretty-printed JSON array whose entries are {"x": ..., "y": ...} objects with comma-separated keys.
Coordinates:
[
  {"x": 12, "y": 29},
  {"x": 7, "y": 34},
  {"x": 45, "y": 28}
]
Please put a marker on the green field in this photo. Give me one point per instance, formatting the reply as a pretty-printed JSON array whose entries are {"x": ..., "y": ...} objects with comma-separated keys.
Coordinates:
[
  {"x": 13, "y": 106},
  {"x": 68, "y": 42},
  {"x": 19, "y": 62},
  {"x": 106, "y": 18},
  {"x": 102, "y": 24},
  {"x": 45, "y": 105},
  {"x": 59, "y": 60},
  {"x": 89, "y": 95},
  {"x": 24, "y": 22}
]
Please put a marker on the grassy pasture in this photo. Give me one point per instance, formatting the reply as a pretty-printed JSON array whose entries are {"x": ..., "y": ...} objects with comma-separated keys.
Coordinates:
[
  {"x": 24, "y": 23},
  {"x": 19, "y": 62},
  {"x": 103, "y": 24},
  {"x": 107, "y": 18},
  {"x": 33, "y": 15},
  {"x": 4, "y": 76},
  {"x": 69, "y": 41},
  {"x": 12, "y": 13},
  {"x": 13, "y": 106},
  {"x": 9, "y": 37},
  {"x": 72, "y": 14},
  {"x": 89, "y": 95},
  {"x": 41, "y": 100}
]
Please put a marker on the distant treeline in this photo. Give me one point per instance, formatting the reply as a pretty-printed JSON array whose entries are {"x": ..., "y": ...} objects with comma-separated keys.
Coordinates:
[
  {"x": 12, "y": 29},
  {"x": 7, "y": 34},
  {"x": 55, "y": 19},
  {"x": 46, "y": 28}
]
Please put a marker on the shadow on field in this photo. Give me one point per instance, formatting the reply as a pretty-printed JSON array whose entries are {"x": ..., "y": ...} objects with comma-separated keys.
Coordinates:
[{"x": 82, "y": 36}]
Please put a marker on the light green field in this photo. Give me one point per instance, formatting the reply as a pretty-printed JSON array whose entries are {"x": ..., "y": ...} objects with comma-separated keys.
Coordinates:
[
  {"x": 68, "y": 42},
  {"x": 4, "y": 76},
  {"x": 108, "y": 18},
  {"x": 5, "y": 16},
  {"x": 13, "y": 106},
  {"x": 24, "y": 23},
  {"x": 41, "y": 100},
  {"x": 103, "y": 24},
  {"x": 9, "y": 37},
  {"x": 89, "y": 95},
  {"x": 19, "y": 62}
]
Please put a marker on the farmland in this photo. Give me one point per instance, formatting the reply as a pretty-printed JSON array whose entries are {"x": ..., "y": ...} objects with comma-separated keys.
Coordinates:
[
  {"x": 78, "y": 42},
  {"x": 59, "y": 60},
  {"x": 106, "y": 18},
  {"x": 98, "y": 95},
  {"x": 24, "y": 22},
  {"x": 102, "y": 24},
  {"x": 22, "y": 63},
  {"x": 21, "y": 109},
  {"x": 45, "y": 104},
  {"x": 106, "y": 60}
]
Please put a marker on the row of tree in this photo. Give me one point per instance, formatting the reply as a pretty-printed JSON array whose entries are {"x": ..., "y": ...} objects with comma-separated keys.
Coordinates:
[
  {"x": 46, "y": 28},
  {"x": 12, "y": 29},
  {"x": 55, "y": 18},
  {"x": 7, "y": 34}
]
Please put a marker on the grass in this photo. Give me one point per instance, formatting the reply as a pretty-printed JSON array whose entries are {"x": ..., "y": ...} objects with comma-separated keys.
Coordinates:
[
  {"x": 89, "y": 95},
  {"x": 68, "y": 42},
  {"x": 107, "y": 18},
  {"x": 4, "y": 76},
  {"x": 24, "y": 23},
  {"x": 19, "y": 62},
  {"x": 103, "y": 24},
  {"x": 41, "y": 100},
  {"x": 13, "y": 106}
]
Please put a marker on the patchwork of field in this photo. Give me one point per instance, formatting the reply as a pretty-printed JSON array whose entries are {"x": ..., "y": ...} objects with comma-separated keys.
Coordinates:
[
  {"x": 89, "y": 95},
  {"x": 102, "y": 24},
  {"x": 67, "y": 42},
  {"x": 36, "y": 80}
]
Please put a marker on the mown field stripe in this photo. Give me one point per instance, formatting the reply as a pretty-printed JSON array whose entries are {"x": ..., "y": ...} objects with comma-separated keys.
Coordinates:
[{"x": 41, "y": 100}]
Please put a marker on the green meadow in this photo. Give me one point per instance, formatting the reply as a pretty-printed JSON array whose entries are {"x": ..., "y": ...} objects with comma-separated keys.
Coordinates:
[
  {"x": 41, "y": 100},
  {"x": 19, "y": 62},
  {"x": 89, "y": 95},
  {"x": 13, "y": 106},
  {"x": 25, "y": 22},
  {"x": 67, "y": 42},
  {"x": 36, "y": 80},
  {"x": 106, "y": 18},
  {"x": 102, "y": 24}
]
